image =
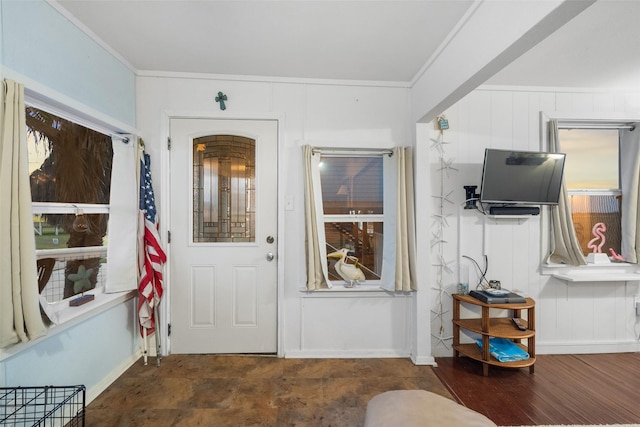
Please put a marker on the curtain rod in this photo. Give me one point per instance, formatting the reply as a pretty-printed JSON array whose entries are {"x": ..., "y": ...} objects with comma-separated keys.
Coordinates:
[
  {"x": 34, "y": 100},
  {"x": 337, "y": 151},
  {"x": 586, "y": 124},
  {"x": 120, "y": 137},
  {"x": 594, "y": 127}
]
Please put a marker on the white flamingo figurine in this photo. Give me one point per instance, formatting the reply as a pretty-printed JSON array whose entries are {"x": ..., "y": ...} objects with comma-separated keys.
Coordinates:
[{"x": 347, "y": 267}]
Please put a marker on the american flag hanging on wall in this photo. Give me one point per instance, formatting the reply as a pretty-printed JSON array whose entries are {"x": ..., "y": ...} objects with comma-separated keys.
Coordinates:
[{"x": 151, "y": 256}]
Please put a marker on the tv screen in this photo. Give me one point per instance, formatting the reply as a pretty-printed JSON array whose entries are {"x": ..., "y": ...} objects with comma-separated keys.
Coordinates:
[{"x": 521, "y": 177}]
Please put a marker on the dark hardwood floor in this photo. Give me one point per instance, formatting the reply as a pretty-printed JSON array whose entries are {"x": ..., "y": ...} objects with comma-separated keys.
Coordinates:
[{"x": 565, "y": 389}]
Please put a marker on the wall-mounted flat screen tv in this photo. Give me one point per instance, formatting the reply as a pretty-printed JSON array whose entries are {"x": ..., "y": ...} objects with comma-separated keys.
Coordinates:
[{"x": 521, "y": 177}]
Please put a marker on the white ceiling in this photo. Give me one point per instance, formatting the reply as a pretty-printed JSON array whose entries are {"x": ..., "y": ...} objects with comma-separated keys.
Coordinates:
[
  {"x": 354, "y": 40},
  {"x": 387, "y": 40},
  {"x": 600, "y": 48}
]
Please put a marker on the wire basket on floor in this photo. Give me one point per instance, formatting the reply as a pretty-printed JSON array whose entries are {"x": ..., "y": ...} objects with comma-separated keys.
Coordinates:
[{"x": 42, "y": 406}]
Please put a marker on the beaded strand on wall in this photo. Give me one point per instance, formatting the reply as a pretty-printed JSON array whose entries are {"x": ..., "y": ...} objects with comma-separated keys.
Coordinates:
[{"x": 442, "y": 265}]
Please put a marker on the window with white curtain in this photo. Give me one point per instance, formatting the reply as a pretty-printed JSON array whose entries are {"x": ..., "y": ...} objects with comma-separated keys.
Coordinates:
[
  {"x": 70, "y": 169},
  {"x": 358, "y": 213},
  {"x": 592, "y": 178}
]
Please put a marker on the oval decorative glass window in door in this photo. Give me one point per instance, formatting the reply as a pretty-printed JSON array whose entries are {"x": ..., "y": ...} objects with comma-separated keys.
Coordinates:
[{"x": 223, "y": 189}]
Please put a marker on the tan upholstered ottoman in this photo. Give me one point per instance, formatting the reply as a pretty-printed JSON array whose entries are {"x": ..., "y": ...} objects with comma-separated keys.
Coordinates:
[{"x": 408, "y": 408}]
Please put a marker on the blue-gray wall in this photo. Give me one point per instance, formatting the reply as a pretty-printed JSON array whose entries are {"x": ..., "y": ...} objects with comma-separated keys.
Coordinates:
[
  {"x": 43, "y": 45},
  {"x": 43, "y": 48},
  {"x": 91, "y": 353}
]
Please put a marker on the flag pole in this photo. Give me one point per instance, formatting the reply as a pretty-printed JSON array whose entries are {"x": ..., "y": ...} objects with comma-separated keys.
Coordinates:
[
  {"x": 158, "y": 334},
  {"x": 145, "y": 345}
]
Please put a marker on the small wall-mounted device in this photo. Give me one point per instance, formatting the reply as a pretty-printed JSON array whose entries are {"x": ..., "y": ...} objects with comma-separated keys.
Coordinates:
[
  {"x": 470, "y": 196},
  {"x": 443, "y": 123}
]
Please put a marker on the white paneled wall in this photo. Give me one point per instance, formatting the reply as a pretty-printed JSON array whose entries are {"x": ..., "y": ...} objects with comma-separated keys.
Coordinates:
[
  {"x": 571, "y": 318},
  {"x": 343, "y": 115}
]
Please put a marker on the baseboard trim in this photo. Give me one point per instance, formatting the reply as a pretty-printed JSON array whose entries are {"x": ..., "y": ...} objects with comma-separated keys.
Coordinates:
[
  {"x": 343, "y": 354},
  {"x": 586, "y": 347}
]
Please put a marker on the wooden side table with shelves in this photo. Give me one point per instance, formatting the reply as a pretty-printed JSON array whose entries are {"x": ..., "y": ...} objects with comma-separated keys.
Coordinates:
[{"x": 499, "y": 327}]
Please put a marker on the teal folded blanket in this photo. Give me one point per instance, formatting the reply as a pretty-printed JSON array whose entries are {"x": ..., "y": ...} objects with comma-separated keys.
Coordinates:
[{"x": 505, "y": 350}]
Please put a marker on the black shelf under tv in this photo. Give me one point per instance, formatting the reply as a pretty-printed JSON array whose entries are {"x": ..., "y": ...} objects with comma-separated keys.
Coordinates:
[{"x": 514, "y": 210}]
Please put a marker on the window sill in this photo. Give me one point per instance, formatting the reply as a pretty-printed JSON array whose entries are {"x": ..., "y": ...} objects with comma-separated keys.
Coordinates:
[
  {"x": 63, "y": 316},
  {"x": 360, "y": 290},
  {"x": 61, "y": 313},
  {"x": 608, "y": 272}
]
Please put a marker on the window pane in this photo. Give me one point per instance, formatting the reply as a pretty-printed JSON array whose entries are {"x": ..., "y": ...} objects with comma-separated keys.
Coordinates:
[
  {"x": 352, "y": 185},
  {"x": 70, "y": 164},
  {"x": 56, "y": 231},
  {"x": 224, "y": 189},
  {"x": 592, "y": 158},
  {"x": 586, "y": 212},
  {"x": 363, "y": 239}
]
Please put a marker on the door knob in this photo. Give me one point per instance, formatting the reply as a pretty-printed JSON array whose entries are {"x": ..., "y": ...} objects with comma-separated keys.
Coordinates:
[{"x": 270, "y": 256}]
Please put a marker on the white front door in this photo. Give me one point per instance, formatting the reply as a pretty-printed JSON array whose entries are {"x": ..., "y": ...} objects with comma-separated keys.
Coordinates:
[{"x": 223, "y": 224}]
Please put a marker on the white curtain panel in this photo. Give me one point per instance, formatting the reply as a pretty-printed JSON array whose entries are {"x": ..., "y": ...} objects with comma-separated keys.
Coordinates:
[
  {"x": 317, "y": 273},
  {"x": 405, "y": 223},
  {"x": 630, "y": 177},
  {"x": 565, "y": 245},
  {"x": 122, "y": 254},
  {"x": 20, "y": 318}
]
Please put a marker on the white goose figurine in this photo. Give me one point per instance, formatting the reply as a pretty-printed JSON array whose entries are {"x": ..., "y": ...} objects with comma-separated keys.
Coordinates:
[{"x": 347, "y": 267}]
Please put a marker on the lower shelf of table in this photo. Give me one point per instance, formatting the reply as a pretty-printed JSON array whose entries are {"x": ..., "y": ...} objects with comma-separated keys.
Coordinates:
[{"x": 474, "y": 352}]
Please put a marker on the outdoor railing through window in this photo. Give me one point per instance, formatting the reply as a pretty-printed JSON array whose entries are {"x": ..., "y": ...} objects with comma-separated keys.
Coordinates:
[{"x": 54, "y": 289}]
